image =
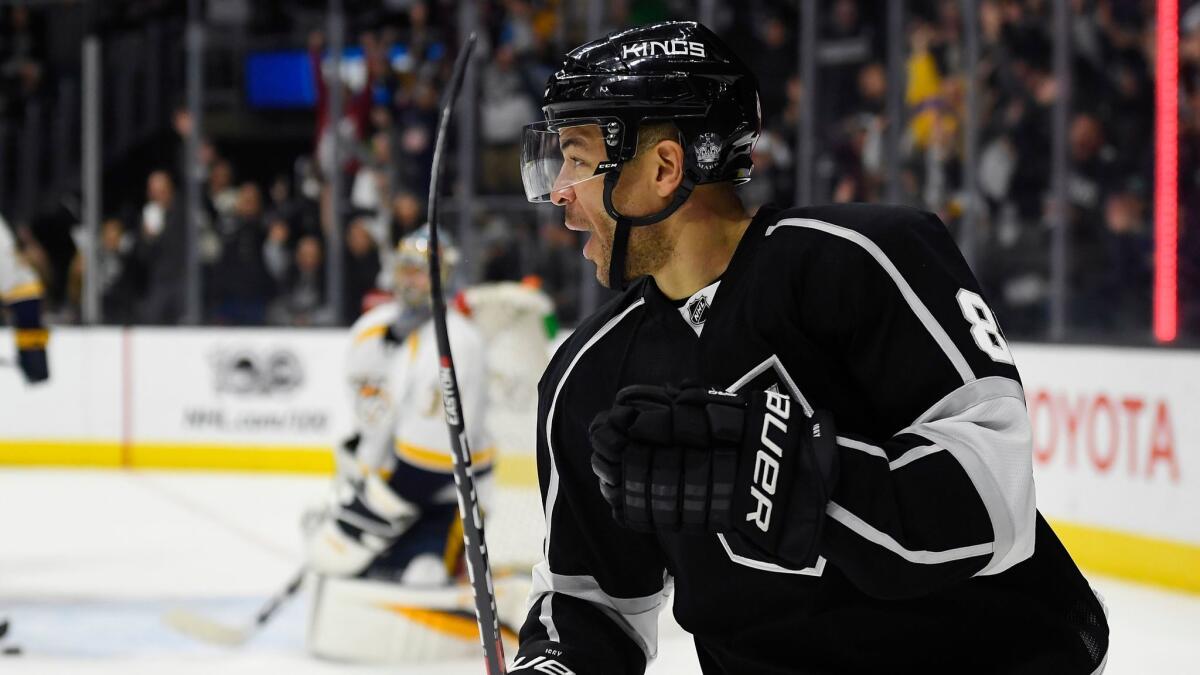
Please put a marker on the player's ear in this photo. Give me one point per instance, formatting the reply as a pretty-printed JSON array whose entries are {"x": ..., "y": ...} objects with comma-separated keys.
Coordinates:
[{"x": 668, "y": 160}]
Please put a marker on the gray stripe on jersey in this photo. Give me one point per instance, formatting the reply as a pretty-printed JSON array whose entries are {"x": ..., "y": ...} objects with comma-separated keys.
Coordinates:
[
  {"x": 913, "y": 455},
  {"x": 547, "y": 616},
  {"x": 637, "y": 617},
  {"x": 935, "y": 329},
  {"x": 909, "y": 456},
  {"x": 873, "y": 450},
  {"x": 985, "y": 426},
  {"x": 864, "y": 530}
]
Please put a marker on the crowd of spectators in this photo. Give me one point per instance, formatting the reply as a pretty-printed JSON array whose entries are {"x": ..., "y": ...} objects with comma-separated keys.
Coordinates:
[{"x": 264, "y": 247}]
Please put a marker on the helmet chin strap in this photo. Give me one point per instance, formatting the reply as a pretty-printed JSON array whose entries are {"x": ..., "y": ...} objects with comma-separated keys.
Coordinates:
[{"x": 620, "y": 245}]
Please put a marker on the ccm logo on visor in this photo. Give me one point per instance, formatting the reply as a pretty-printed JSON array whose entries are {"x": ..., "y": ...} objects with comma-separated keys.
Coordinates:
[{"x": 668, "y": 47}]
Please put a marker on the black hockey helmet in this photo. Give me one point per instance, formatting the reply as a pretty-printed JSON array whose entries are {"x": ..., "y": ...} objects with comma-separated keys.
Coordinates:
[{"x": 675, "y": 71}]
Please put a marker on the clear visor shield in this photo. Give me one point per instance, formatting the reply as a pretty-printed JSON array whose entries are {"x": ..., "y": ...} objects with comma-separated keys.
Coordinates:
[{"x": 559, "y": 154}]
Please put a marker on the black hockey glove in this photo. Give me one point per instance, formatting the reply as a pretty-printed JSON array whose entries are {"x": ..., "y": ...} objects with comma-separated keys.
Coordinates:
[{"x": 699, "y": 460}]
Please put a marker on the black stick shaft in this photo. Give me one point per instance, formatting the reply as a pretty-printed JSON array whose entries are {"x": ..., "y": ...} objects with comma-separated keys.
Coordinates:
[
  {"x": 264, "y": 615},
  {"x": 464, "y": 479}
]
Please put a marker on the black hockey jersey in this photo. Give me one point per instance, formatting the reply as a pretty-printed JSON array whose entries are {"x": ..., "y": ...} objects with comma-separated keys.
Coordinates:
[{"x": 933, "y": 558}]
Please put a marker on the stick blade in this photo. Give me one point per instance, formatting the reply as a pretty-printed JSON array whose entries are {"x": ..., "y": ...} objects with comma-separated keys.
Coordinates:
[{"x": 204, "y": 629}]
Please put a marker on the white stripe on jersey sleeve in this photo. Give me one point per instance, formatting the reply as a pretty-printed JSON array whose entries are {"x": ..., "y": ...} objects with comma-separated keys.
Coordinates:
[
  {"x": 909, "y": 456},
  {"x": 864, "y": 530},
  {"x": 637, "y": 617},
  {"x": 914, "y": 302},
  {"x": 985, "y": 426},
  {"x": 873, "y": 450}
]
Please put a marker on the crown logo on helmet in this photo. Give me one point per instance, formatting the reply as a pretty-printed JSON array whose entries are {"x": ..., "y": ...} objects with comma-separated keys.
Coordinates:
[{"x": 708, "y": 150}]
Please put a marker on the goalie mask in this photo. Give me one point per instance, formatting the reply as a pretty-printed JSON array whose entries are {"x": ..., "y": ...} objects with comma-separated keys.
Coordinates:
[
  {"x": 677, "y": 72},
  {"x": 410, "y": 267}
]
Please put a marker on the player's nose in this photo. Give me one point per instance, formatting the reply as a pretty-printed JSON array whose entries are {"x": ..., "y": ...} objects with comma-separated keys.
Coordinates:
[
  {"x": 561, "y": 196},
  {"x": 562, "y": 193}
]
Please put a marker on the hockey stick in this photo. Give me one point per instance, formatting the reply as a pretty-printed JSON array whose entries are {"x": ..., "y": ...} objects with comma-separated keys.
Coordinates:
[
  {"x": 464, "y": 479},
  {"x": 214, "y": 632}
]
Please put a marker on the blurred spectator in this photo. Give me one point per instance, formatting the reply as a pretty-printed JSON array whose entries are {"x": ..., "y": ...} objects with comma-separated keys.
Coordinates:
[
  {"x": 371, "y": 183},
  {"x": 222, "y": 195},
  {"x": 281, "y": 204},
  {"x": 352, "y": 127},
  {"x": 502, "y": 255},
  {"x": 301, "y": 301},
  {"x": 241, "y": 284},
  {"x": 773, "y": 59},
  {"x": 21, "y": 56},
  {"x": 415, "y": 126},
  {"x": 506, "y": 107},
  {"x": 1130, "y": 256},
  {"x": 847, "y": 44},
  {"x": 407, "y": 214},
  {"x": 517, "y": 28},
  {"x": 162, "y": 251},
  {"x": 1090, "y": 179},
  {"x": 117, "y": 272},
  {"x": 772, "y": 161},
  {"x": 362, "y": 267},
  {"x": 420, "y": 36}
]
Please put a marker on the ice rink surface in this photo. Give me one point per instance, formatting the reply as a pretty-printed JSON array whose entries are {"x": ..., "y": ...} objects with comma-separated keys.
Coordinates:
[{"x": 91, "y": 560}]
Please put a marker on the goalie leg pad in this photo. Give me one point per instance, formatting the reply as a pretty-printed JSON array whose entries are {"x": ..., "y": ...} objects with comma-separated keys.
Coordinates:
[{"x": 377, "y": 622}]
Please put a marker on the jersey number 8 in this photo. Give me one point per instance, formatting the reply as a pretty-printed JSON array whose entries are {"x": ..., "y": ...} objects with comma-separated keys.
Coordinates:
[{"x": 983, "y": 326}]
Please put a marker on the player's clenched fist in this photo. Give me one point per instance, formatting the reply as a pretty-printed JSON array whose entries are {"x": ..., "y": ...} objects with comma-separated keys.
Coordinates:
[{"x": 699, "y": 460}]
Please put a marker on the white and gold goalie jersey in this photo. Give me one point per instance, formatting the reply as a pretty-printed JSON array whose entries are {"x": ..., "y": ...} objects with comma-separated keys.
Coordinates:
[{"x": 397, "y": 403}]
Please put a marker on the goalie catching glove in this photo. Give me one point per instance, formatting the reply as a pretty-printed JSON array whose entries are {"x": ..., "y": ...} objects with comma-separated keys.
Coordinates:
[{"x": 696, "y": 460}]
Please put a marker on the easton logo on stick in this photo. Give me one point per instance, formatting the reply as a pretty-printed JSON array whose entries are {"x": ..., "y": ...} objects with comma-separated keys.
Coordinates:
[{"x": 449, "y": 400}]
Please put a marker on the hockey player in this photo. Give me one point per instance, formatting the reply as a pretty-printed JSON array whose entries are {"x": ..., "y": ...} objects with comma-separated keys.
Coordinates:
[
  {"x": 807, "y": 421},
  {"x": 22, "y": 295},
  {"x": 387, "y": 553}
]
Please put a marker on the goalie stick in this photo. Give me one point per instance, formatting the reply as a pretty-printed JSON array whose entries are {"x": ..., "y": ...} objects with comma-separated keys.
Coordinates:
[
  {"x": 464, "y": 480},
  {"x": 205, "y": 629}
]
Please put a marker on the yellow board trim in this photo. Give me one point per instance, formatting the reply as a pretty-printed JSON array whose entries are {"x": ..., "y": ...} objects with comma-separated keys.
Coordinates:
[
  {"x": 60, "y": 453},
  {"x": 1151, "y": 560},
  {"x": 514, "y": 470},
  {"x": 1172, "y": 564},
  {"x": 231, "y": 457}
]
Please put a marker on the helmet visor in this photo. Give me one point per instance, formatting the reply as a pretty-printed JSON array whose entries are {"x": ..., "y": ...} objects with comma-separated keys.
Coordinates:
[{"x": 558, "y": 154}]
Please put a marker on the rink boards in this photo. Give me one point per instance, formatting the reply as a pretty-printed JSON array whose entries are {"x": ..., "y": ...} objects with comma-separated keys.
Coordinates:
[{"x": 1116, "y": 431}]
